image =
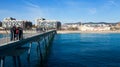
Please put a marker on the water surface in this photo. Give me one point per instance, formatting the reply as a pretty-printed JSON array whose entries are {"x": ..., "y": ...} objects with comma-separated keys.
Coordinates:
[{"x": 85, "y": 50}]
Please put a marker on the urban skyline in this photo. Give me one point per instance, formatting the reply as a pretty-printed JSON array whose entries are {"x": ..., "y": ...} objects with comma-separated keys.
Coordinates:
[{"x": 63, "y": 10}]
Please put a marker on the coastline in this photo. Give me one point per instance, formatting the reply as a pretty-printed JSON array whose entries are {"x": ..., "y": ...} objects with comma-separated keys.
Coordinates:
[
  {"x": 64, "y": 31},
  {"x": 67, "y": 31}
]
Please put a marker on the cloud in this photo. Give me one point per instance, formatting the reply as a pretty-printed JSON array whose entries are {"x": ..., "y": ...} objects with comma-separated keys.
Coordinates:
[
  {"x": 28, "y": 3},
  {"x": 92, "y": 11},
  {"x": 112, "y": 2},
  {"x": 7, "y": 13},
  {"x": 109, "y": 4},
  {"x": 32, "y": 10},
  {"x": 71, "y": 3}
]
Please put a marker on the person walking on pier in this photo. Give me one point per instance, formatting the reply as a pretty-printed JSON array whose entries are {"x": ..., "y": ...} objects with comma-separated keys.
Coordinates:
[
  {"x": 20, "y": 34},
  {"x": 12, "y": 33},
  {"x": 17, "y": 33}
]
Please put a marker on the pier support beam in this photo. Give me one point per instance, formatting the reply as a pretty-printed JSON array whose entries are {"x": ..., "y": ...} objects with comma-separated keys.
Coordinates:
[
  {"x": 41, "y": 55},
  {"x": 2, "y": 59},
  {"x": 45, "y": 42},
  {"x": 16, "y": 60},
  {"x": 29, "y": 50},
  {"x": 19, "y": 61}
]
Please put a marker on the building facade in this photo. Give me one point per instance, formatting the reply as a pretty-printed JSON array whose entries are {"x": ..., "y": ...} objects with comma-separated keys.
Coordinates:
[
  {"x": 95, "y": 26},
  {"x": 90, "y": 26},
  {"x": 10, "y": 22},
  {"x": 71, "y": 26},
  {"x": 48, "y": 24}
]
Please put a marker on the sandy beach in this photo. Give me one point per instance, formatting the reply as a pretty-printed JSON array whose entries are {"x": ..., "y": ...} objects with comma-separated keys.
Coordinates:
[{"x": 67, "y": 31}]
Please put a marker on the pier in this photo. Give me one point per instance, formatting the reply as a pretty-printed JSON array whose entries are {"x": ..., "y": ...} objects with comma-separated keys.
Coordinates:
[{"x": 16, "y": 48}]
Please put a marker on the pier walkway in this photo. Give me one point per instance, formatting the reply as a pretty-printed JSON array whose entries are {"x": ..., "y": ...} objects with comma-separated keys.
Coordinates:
[{"x": 16, "y": 48}]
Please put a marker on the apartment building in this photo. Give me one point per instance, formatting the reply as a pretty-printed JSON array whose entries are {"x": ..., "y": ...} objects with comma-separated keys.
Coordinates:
[
  {"x": 48, "y": 24},
  {"x": 99, "y": 26},
  {"x": 10, "y": 22}
]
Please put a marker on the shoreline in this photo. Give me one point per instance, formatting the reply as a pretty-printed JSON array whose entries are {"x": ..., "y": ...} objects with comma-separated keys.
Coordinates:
[{"x": 66, "y": 32}]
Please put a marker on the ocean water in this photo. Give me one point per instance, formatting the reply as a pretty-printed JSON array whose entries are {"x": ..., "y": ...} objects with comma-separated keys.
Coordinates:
[
  {"x": 77, "y": 50},
  {"x": 85, "y": 50},
  {"x": 4, "y": 35}
]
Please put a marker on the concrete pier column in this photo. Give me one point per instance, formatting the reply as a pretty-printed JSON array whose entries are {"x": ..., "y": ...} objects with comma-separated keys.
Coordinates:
[
  {"x": 41, "y": 55},
  {"x": 45, "y": 42},
  {"x": 29, "y": 50},
  {"x": 2, "y": 59},
  {"x": 19, "y": 62},
  {"x": 48, "y": 38},
  {"x": 15, "y": 62}
]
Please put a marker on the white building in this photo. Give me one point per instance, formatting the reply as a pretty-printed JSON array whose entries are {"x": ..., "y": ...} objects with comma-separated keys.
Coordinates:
[
  {"x": 73, "y": 25},
  {"x": 95, "y": 27},
  {"x": 10, "y": 22},
  {"x": 49, "y": 24}
]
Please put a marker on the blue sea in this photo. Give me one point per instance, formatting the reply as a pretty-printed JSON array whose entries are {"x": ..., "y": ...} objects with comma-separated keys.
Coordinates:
[
  {"x": 2, "y": 35},
  {"x": 79, "y": 50},
  {"x": 85, "y": 50}
]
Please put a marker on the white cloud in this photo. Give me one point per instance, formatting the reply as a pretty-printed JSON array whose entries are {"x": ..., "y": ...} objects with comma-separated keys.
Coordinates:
[
  {"x": 93, "y": 11},
  {"x": 110, "y": 3},
  {"x": 72, "y": 3},
  {"x": 32, "y": 11},
  {"x": 28, "y": 3},
  {"x": 7, "y": 13}
]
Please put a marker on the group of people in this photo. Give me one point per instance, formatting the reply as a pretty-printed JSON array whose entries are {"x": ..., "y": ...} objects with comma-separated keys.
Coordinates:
[{"x": 16, "y": 33}]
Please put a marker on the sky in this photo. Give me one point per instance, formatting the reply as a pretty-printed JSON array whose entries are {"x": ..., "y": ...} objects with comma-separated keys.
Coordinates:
[{"x": 66, "y": 11}]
